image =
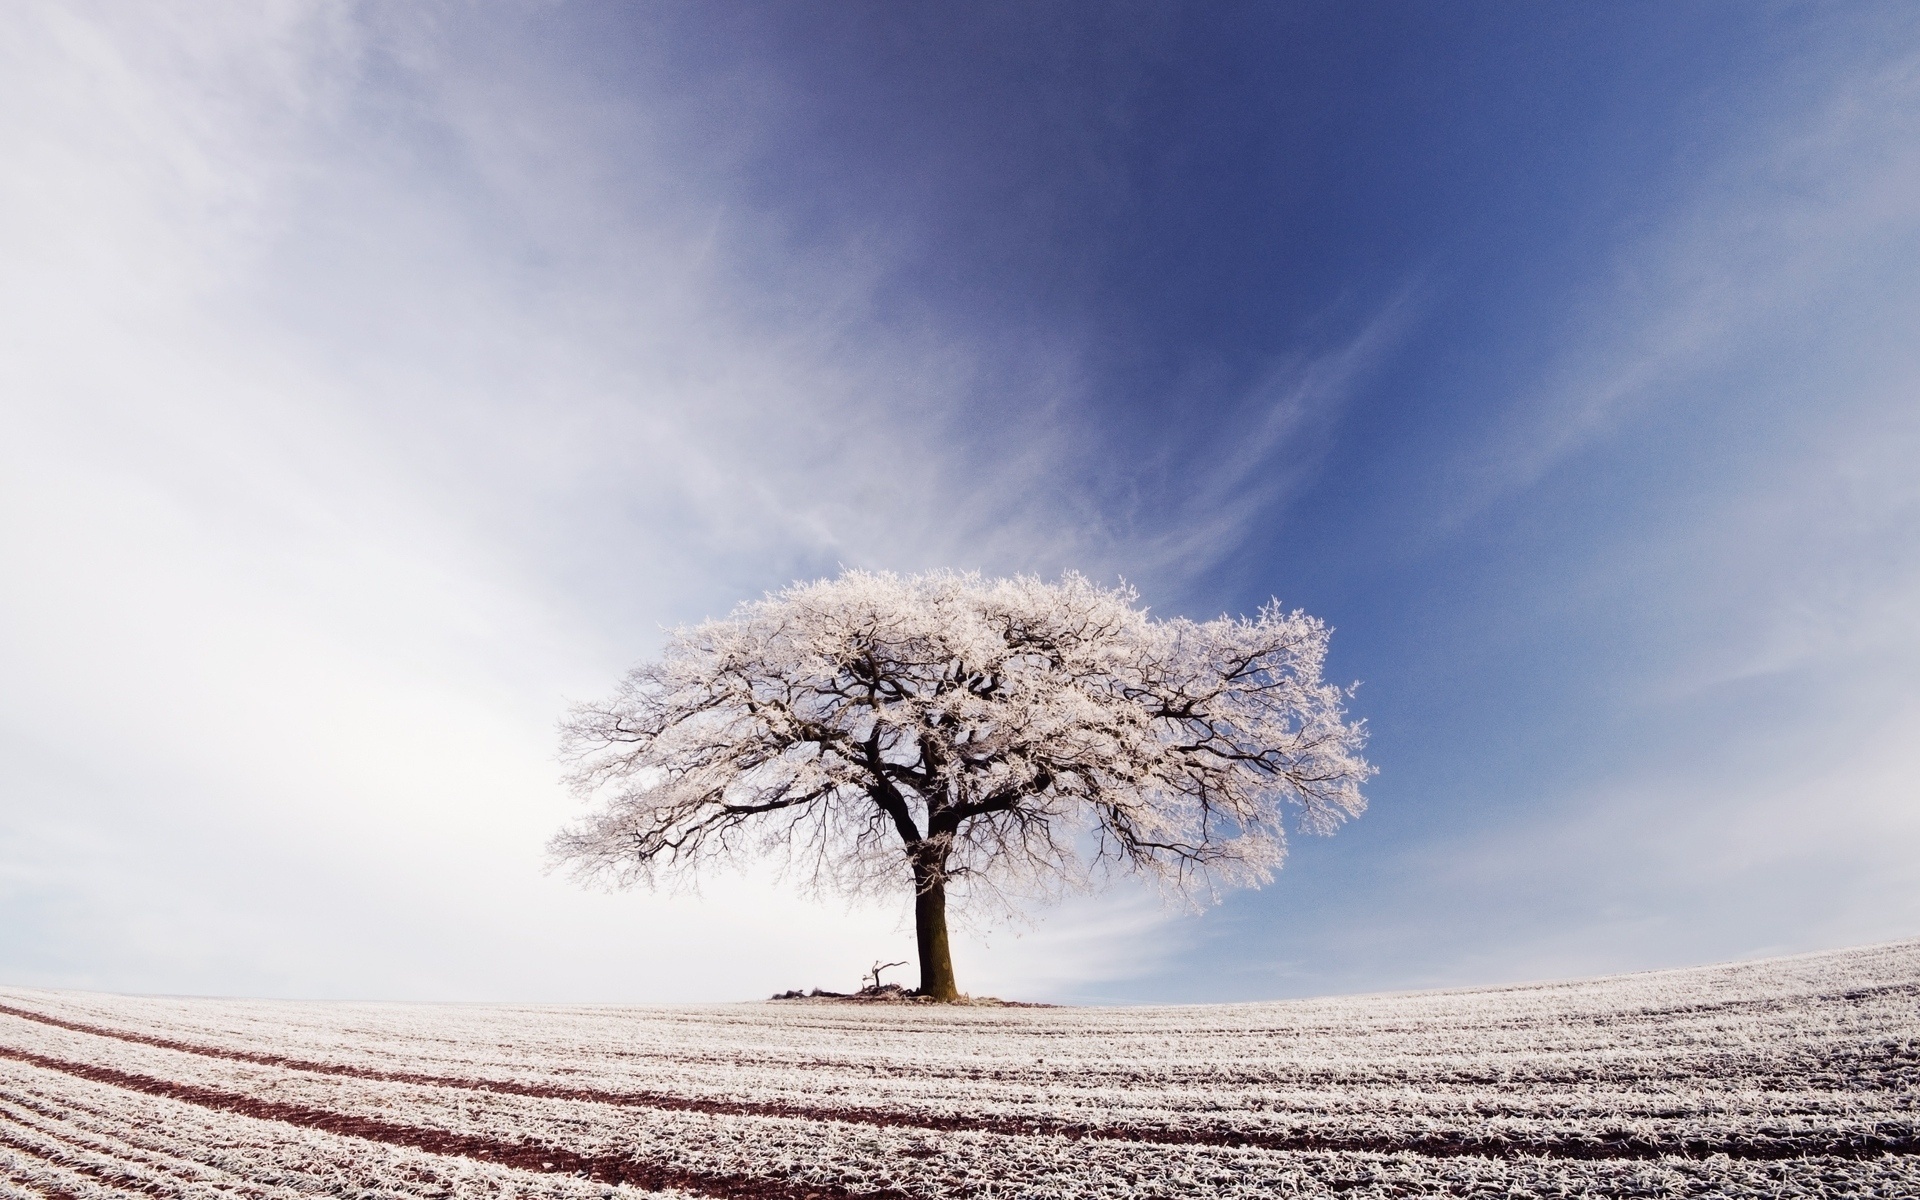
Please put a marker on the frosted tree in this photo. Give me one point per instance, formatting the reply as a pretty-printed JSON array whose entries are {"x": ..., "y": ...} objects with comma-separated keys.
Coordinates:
[{"x": 946, "y": 733}]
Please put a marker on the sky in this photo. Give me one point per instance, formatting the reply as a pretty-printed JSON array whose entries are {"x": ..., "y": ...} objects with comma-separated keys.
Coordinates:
[{"x": 378, "y": 380}]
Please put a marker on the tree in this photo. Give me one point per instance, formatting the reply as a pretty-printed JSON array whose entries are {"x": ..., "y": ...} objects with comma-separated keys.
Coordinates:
[{"x": 998, "y": 736}]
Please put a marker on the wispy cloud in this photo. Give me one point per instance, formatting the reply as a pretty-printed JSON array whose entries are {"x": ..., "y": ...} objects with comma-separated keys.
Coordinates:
[
  {"x": 1754, "y": 596},
  {"x": 371, "y": 390},
  {"x": 1779, "y": 227},
  {"x": 361, "y": 412}
]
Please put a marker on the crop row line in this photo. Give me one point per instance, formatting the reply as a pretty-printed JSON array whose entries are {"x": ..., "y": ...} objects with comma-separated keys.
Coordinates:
[
  {"x": 1860, "y": 1146},
  {"x": 526, "y": 1156}
]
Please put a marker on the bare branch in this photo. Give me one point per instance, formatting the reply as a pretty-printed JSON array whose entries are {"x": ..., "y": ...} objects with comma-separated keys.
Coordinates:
[{"x": 1011, "y": 735}]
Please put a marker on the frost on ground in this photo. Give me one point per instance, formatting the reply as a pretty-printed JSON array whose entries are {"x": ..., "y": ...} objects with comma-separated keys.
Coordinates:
[{"x": 1792, "y": 1077}]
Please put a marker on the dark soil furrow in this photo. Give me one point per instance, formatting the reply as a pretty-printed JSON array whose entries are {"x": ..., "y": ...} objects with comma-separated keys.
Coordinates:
[
  {"x": 1759, "y": 1147},
  {"x": 1892, "y": 1063},
  {"x": 526, "y": 1156},
  {"x": 73, "y": 1165}
]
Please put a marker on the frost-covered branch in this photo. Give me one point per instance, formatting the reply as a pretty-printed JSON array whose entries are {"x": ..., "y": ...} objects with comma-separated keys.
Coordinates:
[{"x": 1012, "y": 735}]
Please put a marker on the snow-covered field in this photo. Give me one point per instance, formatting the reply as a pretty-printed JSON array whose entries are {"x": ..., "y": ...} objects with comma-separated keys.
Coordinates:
[{"x": 1792, "y": 1077}]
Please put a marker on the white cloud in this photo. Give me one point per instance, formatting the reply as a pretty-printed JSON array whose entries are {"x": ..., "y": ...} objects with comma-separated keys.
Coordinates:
[
  {"x": 1761, "y": 600},
  {"x": 361, "y": 410},
  {"x": 1786, "y": 230},
  {"x": 1785, "y": 852},
  {"x": 361, "y": 406}
]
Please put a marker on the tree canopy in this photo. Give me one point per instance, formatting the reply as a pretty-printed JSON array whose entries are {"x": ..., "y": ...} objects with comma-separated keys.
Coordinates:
[{"x": 998, "y": 736}]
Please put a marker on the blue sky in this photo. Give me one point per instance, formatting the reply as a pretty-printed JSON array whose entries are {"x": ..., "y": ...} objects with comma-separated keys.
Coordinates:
[{"x": 374, "y": 381}]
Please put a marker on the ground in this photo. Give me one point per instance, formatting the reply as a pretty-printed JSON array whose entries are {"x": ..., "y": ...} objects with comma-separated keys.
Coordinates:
[{"x": 1791, "y": 1077}]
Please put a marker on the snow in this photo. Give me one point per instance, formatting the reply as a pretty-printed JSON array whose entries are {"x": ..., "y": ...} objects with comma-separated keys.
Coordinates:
[{"x": 1797, "y": 1076}]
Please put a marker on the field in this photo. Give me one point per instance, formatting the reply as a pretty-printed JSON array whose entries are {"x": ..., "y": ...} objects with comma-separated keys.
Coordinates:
[{"x": 1791, "y": 1077}]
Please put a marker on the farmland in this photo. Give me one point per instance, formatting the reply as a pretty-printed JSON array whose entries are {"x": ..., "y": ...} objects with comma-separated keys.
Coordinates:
[{"x": 1789, "y": 1077}]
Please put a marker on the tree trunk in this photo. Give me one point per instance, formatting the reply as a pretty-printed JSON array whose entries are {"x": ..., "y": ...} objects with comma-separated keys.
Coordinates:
[{"x": 930, "y": 928}]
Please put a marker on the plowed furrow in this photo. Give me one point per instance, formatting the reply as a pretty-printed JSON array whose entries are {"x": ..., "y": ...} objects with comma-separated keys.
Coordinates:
[
  {"x": 524, "y": 1156},
  {"x": 1754, "y": 1147}
]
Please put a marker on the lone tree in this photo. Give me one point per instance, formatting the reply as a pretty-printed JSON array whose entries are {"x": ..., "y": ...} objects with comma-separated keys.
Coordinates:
[{"x": 1001, "y": 736}]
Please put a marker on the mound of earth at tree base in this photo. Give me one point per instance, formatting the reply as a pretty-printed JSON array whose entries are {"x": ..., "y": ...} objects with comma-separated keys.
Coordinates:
[{"x": 893, "y": 993}]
